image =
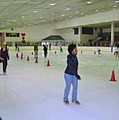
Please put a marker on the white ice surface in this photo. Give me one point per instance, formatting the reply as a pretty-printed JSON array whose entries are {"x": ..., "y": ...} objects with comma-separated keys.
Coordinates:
[{"x": 34, "y": 91}]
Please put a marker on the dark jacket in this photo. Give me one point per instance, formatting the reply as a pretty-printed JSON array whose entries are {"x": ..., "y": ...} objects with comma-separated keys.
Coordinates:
[
  {"x": 72, "y": 65},
  {"x": 4, "y": 53},
  {"x": 44, "y": 48}
]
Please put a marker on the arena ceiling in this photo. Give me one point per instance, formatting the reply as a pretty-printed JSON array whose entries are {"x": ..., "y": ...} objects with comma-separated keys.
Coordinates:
[{"x": 20, "y": 13}]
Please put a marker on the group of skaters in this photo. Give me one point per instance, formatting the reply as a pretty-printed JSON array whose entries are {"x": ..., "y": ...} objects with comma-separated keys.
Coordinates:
[
  {"x": 45, "y": 49},
  {"x": 71, "y": 75},
  {"x": 116, "y": 52}
]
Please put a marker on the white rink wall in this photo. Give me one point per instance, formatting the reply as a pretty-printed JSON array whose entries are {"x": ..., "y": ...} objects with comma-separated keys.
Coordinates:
[
  {"x": 80, "y": 48},
  {"x": 104, "y": 49}
]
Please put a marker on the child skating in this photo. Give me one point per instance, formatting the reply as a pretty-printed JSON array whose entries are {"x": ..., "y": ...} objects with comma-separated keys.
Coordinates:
[{"x": 70, "y": 75}]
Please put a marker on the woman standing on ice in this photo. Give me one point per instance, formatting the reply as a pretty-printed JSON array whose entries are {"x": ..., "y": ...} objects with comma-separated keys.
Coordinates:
[
  {"x": 5, "y": 56},
  {"x": 71, "y": 76}
]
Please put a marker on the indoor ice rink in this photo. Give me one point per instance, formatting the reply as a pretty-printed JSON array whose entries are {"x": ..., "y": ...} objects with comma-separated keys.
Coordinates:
[
  {"x": 34, "y": 91},
  {"x": 33, "y": 88}
]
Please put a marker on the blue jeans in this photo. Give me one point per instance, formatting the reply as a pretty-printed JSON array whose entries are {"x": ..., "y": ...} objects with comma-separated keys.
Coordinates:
[{"x": 70, "y": 80}]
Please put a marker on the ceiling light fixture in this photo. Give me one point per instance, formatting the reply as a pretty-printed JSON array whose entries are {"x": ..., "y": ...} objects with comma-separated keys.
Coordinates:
[
  {"x": 35, "y": 11},
  {"x": 52, "y": 4},
  {"x": 43, "y": 20},
  {"x": 82, "y": 13},
  {"x": 52, "y": 13},
  {"x": 62, "y": 15},
  {"x": 117, "y": 1},
  {"x": 67, "y": 8},
  {"x": 89, "y": 2}
]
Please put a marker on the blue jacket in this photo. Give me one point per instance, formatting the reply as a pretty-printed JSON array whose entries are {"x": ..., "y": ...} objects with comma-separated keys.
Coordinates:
[{"x": 72, "y": 65}]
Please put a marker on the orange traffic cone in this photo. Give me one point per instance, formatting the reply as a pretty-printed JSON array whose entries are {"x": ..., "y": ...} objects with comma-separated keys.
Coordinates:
[
  {"x": 21, "y": 56},
  {"x": 17, "y": 55},
  {"x": 27, "y": 58},
  {"x": 113, "y": 76},
  {"x": 36, "y": 60},
  {"x": 48, "y": 63}
]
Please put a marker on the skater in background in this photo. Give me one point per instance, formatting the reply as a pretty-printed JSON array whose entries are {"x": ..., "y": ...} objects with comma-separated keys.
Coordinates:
[
  {"x": 49, "y": 46},
  {"x": 116, "y": 53},
  {"x": 70, "y": 75},
  {"x": 16, "y": 46},
  {"x": 45, "y": 50},
  {"x": 36, "y": 50},
  {"x": 61, "y": 50},
  {"x": 5, "y": 55},
  {"x": 99, "y": 51}
]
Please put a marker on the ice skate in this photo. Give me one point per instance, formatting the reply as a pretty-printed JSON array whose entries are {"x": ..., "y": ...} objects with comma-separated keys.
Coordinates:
[
  {"x": 4, "y": 73},
  {"x": 77, "y": 102},
  {"x": 66, "y": 102}
]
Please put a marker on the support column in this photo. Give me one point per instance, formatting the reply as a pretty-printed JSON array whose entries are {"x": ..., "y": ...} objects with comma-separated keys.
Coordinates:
[
  {"x": 112, "y": 36},
  {"x": 79, "y": 35}
]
